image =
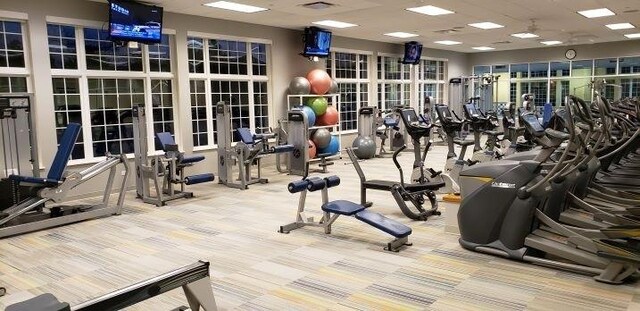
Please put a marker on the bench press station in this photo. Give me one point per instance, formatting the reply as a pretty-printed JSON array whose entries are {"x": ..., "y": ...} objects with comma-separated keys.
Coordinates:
[{"x": 333, "y": 209}]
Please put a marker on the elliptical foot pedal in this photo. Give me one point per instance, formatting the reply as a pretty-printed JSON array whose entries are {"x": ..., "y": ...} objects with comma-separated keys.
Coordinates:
[{"x": 452, "y": 198}]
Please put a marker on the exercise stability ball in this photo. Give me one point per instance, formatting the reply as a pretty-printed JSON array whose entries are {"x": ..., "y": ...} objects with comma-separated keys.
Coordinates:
[
  {"x": 330, "y": 117},
  {"x": 299, "y": 86},
  {"x": 311, "y": 116},
  {"x": 364, "y": 147},
  {"x": 334, "y": 89},
  {"x": 318, "y": 104},
  {"x": 321, "y": 137},
  {"x": 320, "y": 81},
  {"x": 332, "y": 148},
  {"x": 312, "y": 149}
]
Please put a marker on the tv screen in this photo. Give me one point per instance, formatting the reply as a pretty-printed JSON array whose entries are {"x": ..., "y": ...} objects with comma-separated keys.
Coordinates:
[
  {"x": 131, "y": 21},
  {"x": 317, "y": 42},
  {"x": 412, "y": 53}
]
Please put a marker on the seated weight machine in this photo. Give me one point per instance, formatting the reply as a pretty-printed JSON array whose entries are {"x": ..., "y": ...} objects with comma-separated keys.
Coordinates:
[
  {"x": 163, "y": 171},
  {"x": 245, "y": 154},
  {"x": 32, "y": 213},
  {"x": 194, "y": 280}
]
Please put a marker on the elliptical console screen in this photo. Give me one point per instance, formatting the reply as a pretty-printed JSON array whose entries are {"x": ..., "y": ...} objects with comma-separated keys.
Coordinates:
[{"x": 131, "y": 21}]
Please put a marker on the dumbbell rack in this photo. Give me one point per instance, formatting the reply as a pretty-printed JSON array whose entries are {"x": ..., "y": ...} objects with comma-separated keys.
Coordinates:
[{"x": 294, "y": 101}]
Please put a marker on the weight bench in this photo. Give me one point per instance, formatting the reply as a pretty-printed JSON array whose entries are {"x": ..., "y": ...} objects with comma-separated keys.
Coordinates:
[
  {"x": 194, "y": 280},
  {"x": 31, "y": 214},
  {"x": 333, "y": 209}
]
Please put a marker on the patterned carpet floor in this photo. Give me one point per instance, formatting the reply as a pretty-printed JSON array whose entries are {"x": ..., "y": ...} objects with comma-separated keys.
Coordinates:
[{"x": 254, "y": 267}]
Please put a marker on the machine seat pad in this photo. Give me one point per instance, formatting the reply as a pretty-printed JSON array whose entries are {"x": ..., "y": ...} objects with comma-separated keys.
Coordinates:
[
  {"x": 192, "y": 159},
  {"x": 342, "y": 207},
  {"x": 434, "y": 185},
  {"x": 34, "y": 180},
  {"x": 44, "y": 302},
  {"x": 463, "y": 142},
  {"x": 384, "y": 185},
  {"x": 383, "y": 223},
  {"x": 493, "y": 133}
]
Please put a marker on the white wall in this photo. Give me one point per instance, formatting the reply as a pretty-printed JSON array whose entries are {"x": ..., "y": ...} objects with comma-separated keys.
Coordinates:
[{"x": 285, "y": 64}]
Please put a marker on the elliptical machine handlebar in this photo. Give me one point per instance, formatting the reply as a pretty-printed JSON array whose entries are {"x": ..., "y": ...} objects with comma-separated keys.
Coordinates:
[{"x": 397, "y": 164}]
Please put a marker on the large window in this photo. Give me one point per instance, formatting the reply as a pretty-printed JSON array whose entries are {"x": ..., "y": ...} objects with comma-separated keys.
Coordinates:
[
  {"x": 351, "y": 71},
  {"x": 431, "y": 82},
  {"x": 234, "y": 71},
  {"x": 100, "y": 91},
  {"x": 394, "y": 82},
  {"x": 13, "y": 65},
  {"x": 551, "y": 82}
]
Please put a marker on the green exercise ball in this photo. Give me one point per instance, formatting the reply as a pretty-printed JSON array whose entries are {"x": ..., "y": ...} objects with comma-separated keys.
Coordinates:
[{"x": 318, "y": 104}]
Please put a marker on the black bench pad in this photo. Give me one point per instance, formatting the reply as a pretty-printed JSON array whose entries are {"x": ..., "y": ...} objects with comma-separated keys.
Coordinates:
[
  {"x": 386, "y": 185},
  {"x": 342, "y": 207},
  {"x": 383, "y": 223}
]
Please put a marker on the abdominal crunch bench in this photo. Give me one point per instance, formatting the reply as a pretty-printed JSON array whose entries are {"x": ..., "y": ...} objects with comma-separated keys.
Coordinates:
[{"x": 333, "y": 209}]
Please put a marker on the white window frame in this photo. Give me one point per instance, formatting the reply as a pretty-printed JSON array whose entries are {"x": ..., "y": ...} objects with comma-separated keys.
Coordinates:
[
  {"x": 83, "y": 74},
  {"x": 25, "y": 72},
  {"x": 250, "y": 78},
  {"x": 382, "y": 81},
  {"x": 358, "y": 80},
  {"x": 437, "y": 81}
]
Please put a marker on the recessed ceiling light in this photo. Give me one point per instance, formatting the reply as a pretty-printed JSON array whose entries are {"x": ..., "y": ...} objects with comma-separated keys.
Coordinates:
[
  {"x": 334, "y": 24},
  {"x": 483, "y": 48},
  {"x": 400, "y": 34},
  {"x": 235, "y": 7},
  {"x": 486, "y": 25},
  {"x": 552, "y": 42},
  {"x": 596, "y": 13},
  {"x": 633, "y": 35},
  {"x": 430, "y": 10},
  {"x": 448, "y": 42},
  {"x": 620, "y": 26},
  {"x": 525, "y": 35}
]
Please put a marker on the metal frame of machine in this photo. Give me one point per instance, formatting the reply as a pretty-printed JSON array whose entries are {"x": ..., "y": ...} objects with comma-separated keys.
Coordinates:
[{"x": 168, "y": 167}]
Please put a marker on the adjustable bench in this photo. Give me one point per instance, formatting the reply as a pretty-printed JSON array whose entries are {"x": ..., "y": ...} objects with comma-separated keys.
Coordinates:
[{"x": 333, "y": 209}]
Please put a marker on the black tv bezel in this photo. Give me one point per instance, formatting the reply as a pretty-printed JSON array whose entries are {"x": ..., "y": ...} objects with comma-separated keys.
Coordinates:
[
  {"x": 129, "y": 39},
  {"x": 404, "y": 56},
  {"x": 313, "y": 30}
]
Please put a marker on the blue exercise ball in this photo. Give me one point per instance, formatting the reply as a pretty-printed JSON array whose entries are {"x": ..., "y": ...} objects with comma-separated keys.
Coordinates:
[
  {"x": 311, "y": 116},
  {"x": 332, "y": 148}
]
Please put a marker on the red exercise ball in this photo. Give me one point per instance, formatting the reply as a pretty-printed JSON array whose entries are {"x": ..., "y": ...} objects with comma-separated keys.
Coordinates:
[
  {"x": 320, "y": 81},
  {"x": 330, "y": 117},
  {"x": 312, "y": 149}
]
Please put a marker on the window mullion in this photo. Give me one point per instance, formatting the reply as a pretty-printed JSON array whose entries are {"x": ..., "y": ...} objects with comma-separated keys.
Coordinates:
[{"x": 85, "y": 112}]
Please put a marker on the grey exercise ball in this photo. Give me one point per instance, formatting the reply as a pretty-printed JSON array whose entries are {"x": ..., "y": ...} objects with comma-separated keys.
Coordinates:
[
  {"x": 364, "y": 147},
  {"x": 322, "y": 138},
  {"x": 334, "y": 89},
  {"x": 299, "y": 86}
]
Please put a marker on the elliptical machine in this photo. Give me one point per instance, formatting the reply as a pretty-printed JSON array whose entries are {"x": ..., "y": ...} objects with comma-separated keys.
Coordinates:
[
  {"x": 451, "y": 125},
  {"x": 519, "y": 223},
  {"x": 483, "y": 123}
]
